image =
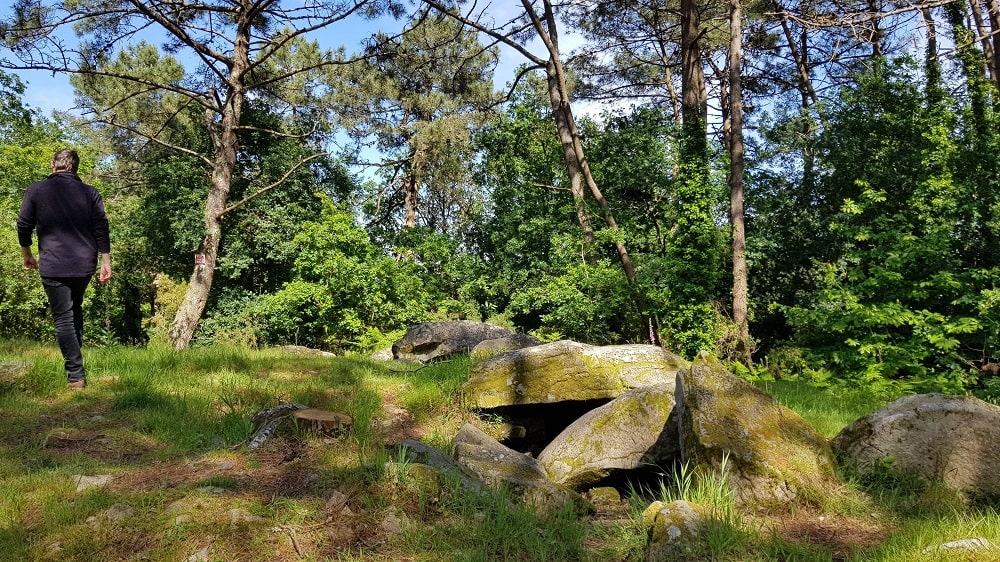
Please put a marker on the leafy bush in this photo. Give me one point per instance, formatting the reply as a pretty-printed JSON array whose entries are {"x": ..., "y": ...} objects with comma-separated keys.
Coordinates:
[
  {"x": 890, "y": 305},
  {"x": 589, "y": 303},
  {"x": 345, "y": 294},
  {"x": 23, "y": 306}
]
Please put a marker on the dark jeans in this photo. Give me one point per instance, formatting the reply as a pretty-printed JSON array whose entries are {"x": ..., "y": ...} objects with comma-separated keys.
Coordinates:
[{"x": 66, "y": 302}]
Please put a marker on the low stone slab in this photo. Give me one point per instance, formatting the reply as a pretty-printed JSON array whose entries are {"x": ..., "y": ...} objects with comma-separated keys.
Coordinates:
[
  {"x": 937, "y": 437},
  {"x": 774, "y": 456},
  {"x": 303, "y": 350},
  {"x": 630, "y": 432},
  {"x": 12, "y": 372},
  {"x": 432, "y": 341},
  {"x": 421, "y": 453},
  {"x": 567, "y": 370},
  {"x": 497, "y": 465}
]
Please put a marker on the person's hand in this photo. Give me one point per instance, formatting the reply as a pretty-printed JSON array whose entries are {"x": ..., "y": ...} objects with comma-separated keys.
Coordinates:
[
  {"x": 105, "y": 275},
  {"x": 29, "y": 261}
]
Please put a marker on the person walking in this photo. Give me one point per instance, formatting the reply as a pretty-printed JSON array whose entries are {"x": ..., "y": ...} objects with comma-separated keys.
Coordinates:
[{"x": 72, "y": 230}]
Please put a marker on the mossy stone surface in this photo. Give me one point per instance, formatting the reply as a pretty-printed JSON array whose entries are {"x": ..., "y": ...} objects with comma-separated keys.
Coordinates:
[
  {"x": 935, "y": 437},
  {"x": 567, "y": 371},
  {"x": 774, "y": 456},
  {"x": 673, "y": 530},
  {"x": 630, "y": 432},
  {"x": 497, "y": 465}
]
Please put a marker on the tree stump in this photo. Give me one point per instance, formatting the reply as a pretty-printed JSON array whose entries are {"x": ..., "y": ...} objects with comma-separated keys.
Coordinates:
[{"x": 322, "y": 422}]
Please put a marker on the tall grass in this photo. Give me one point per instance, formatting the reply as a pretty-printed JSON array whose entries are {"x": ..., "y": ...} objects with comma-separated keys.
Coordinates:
[{"x": 828, "y": 409}]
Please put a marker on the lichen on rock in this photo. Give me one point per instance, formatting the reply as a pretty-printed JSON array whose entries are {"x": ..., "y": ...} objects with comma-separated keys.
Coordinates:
[
  {"x": 630, "y": 432},
  {"x": 567, "y": 371},
  {"x": 775, "y": 456}
]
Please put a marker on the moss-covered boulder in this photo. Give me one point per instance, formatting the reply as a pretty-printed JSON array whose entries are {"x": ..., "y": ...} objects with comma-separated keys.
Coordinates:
[
  {"x": 774, "y": 456},
  {"x": 935, "y": 437},
  {"x": 673, "y": 530},
  {"x": 567, "y": 371},
  {"x": 628, "y": 433},
  {"x": 500, "y": 466}
]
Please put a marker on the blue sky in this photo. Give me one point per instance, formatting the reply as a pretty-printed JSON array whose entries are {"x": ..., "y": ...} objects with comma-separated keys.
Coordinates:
[{"x": 49, "y": 92}]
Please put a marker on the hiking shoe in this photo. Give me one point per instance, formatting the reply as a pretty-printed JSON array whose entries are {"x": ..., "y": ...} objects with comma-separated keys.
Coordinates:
[{"x": 77, "y": 385}]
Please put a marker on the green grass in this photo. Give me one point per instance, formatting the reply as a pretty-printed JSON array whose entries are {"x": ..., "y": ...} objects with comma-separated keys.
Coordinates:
[
  {"x": 827, "y": 409},
  {"x": 170, "y": 427}
]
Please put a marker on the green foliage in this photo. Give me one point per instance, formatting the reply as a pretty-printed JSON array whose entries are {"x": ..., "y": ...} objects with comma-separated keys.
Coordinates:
[
  {"x": 24, "y": 309},
  {"x": 587, "y": 302},
  {"x": 633, "y": 158},
  {"x": 27, "y": 143},
  {"x": 541, "y": 275},
  {"x": 523, "y": 171},
  {"x": 344, "y": 293},
  {"x": 889, "y": 306},
  {"x": 16, "y": 117},
  {"x": 447, "y": 273},
  {"x": 419, "y": 96}
]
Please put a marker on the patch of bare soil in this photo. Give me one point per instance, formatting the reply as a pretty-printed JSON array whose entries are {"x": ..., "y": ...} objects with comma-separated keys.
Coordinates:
[
  {"x": 278, "y": 468},
  {"x": 288, "y": 465},
  {"x": 395, "y": 422},
  {"x": 284, "y": 467},
  {"x": 841, "y": 535},
  {"x": 87, "y": 430}
]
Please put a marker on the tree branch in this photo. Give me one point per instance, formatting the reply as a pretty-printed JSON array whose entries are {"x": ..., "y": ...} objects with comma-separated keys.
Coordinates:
[
  {"x": 505, "y": 38},
  {"x": 267, "y": 188}
]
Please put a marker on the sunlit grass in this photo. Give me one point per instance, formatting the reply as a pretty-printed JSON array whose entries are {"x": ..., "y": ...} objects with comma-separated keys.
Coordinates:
[
  {"x": 170, "y": 428},
  {"x": 828, "y": 410}
]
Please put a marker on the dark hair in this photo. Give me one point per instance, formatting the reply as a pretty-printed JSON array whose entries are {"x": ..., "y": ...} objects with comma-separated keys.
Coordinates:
[{"x": 65, "y": 160}]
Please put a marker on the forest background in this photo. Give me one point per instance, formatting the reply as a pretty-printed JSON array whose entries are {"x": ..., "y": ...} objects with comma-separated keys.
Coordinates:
[{"x": 804, "y": 189}]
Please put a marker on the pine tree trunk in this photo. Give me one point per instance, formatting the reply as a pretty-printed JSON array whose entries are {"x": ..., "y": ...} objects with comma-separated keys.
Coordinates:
[
  {"x": 984, "y": 36},
  {"x": 994, "y": 11},
  {"x": 189, "y": 313},
  {"x": 563, "y": 118},
  {"x": 576, "y": 161},
  {"x": 740, "y": 290},
  {"x": 932, "y": 65},
  {"x": 694, "y": 100},
  {"x": 801, "y": 58},
  {"x": 411, "y": 200},
  {"x": 226, "y": 144}
]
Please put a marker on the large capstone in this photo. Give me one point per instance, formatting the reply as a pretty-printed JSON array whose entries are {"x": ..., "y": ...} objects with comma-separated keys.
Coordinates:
[{"x": 568, "y": 371}]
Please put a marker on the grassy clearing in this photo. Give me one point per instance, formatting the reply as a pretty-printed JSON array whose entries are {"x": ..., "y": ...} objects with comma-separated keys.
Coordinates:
[
  {"x": 828, "y": 409},
  {"x": 170, "y": 427}
]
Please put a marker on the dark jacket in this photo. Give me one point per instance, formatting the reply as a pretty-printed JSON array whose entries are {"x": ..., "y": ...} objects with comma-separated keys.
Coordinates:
[{"x": 71, "y": 222}]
